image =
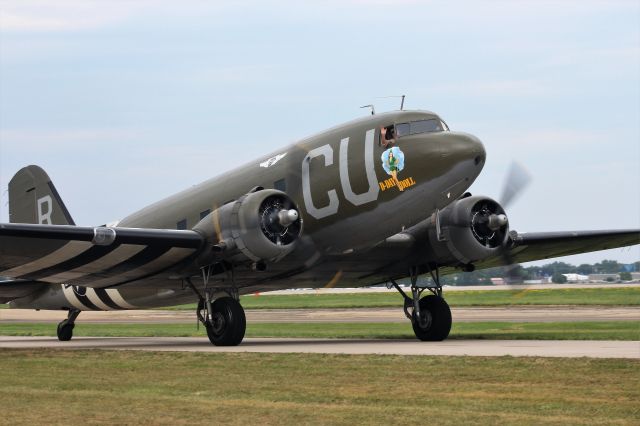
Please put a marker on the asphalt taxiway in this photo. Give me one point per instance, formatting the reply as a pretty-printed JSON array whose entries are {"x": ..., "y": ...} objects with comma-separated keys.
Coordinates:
[{"x": 534, "y": 348}]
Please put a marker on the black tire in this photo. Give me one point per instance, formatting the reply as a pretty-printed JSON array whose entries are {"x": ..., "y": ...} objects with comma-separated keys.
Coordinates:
[
  {"x": 229, "y": 322},
  {"x": 65, "y": 331},
  {"x": 438, "y": 319}
]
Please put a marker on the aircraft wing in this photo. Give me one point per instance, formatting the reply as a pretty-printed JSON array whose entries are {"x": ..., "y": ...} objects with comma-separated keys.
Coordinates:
[
  {"x": 530, "y": 246},
  {"x": 93, "y": 257}
]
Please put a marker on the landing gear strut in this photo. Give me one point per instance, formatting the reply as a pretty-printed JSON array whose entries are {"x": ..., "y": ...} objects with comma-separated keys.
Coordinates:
[
  {"x": 430, "y": 316},
  {"x": 223, "y": 318},
  {"x": 65, "y": 327}
]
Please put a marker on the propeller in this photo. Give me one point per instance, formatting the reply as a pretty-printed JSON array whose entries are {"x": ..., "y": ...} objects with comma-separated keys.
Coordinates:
[
  {"x": 215, "y": 217},
  {"x": 517, "y": 179}
]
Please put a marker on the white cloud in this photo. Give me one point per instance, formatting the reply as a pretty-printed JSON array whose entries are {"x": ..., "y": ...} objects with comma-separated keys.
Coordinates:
[
  {"x": 517, "y": 88},
  {"x": 618, "y": 57},
  {"x": 238, "y": 73},
  {"x": 551, "y": 138},
  {"x": 69, "y": 15},
  {"x": 73, "y": 15},
  {"x": 79, "y": 15},
  {"x": 62, "y": 139}
]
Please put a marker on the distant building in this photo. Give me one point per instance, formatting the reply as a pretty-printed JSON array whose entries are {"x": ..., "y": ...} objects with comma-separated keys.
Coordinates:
[
  {"x": 498, "y": 281},
  {"x": 604, "y": 277},
  {"x": 576, "y": 278}
]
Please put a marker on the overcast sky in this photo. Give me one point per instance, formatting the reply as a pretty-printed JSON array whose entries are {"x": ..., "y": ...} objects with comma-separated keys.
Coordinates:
[{"x": 126, "y": 102}]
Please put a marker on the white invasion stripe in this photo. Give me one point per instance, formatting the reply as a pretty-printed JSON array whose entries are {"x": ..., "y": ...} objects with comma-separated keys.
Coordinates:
[
  {"x": 107, "y": 261},
  {"x": 72, "y": 298},
  {"x": 118, "y": 300},
  {"x": 93, "y": 297},
  {"x": 66, "y": 252},
  {"x": 175, "y": 255}
]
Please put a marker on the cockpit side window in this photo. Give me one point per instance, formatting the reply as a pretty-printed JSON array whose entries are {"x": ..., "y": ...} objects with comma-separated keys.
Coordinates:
[
  {"x": 403, "y": 129},
  {"x": 416, "y": 127}
]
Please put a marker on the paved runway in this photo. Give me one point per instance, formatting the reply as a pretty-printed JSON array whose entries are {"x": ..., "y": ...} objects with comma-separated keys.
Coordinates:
[
  {"x": 506, "y": 314},
  {"x": 539, "y": 348}
]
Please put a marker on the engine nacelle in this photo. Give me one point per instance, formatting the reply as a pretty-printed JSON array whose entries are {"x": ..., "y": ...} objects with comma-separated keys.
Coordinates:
[
  {"x": 468, "y": 230},
  {"x": 261, "y": 226}
]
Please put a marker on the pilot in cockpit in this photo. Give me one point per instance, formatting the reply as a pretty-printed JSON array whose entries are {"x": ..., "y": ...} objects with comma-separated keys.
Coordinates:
[{"x": 387, "y": 136}]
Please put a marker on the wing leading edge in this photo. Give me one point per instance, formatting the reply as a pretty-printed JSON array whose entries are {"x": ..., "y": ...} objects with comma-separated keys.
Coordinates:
[
  {"x": 92, "y": 257},
  {"x": 530, "y": 246}
]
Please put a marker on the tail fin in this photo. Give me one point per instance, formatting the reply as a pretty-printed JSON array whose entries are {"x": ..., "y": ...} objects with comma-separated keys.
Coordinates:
[{"x": 34, "y": 199}]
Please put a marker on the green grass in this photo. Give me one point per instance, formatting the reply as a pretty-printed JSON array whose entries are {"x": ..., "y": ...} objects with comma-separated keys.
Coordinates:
[
  {"x": 569, "y": 296},
  {"x": 598, "y": 330},
  {"x": 629, "y": 296},
  {"x": 129, "y": 387}
]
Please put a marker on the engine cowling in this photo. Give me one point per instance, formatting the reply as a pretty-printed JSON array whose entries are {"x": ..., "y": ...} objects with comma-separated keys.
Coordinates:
[
  {"x": 261, "y": 226},
  {"x": 468, "y": 230}
]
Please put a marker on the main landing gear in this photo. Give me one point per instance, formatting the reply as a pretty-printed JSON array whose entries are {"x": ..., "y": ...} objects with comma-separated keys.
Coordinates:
[
  {"x": 65, "y": 327},
  {"x": 430, "y": 315},
  {"x": 224, "y": 320},
  {"x": 223, "y": 317}
]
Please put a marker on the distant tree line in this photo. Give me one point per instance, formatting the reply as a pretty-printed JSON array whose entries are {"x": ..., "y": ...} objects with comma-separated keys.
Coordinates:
[{"x": 554, "y": 270}]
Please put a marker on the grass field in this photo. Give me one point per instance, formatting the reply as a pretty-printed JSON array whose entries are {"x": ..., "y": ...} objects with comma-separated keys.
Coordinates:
[
  {"x": 570, "y": 296},
  {"x": 600, "y": 330},
  {"x": 80, "y": 387}
]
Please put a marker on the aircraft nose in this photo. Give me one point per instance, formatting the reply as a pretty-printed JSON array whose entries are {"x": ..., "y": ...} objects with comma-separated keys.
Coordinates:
[
  {"x": 465, "y": 147},
  {"x": 475, "y": 149}
]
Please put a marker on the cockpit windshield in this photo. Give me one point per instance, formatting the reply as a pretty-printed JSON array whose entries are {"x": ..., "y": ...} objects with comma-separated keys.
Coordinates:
[{"x": 423, "y": 126}]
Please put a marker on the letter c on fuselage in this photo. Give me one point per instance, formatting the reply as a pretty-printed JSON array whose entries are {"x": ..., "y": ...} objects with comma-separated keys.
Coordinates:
[{"x": 332, "y": 208}]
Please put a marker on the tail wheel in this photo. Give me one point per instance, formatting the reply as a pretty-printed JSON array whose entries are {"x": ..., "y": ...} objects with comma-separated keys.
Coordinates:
[
  {"x": 228, "y": 322},
  {"x": 436, "y": 319}
]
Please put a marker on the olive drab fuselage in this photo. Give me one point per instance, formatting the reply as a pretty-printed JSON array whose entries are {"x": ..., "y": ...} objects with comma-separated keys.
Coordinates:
[
  {"x": 354, "y": 189},
  {"x": 338, "y": 180}
]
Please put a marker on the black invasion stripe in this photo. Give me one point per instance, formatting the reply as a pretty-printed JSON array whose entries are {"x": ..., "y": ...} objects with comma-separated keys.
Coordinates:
[
  {"x": 159, "y": 271},
  {"x": 86, "y": 302},
  {"x": 143, "y": 257},
  {"x": 88, "y": 256},
  {"x": 65, "y": 212},
  {"x": 106, "y": 299}
]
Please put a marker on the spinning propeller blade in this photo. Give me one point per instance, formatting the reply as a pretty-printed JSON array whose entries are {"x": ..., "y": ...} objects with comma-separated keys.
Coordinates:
[
  {"x": 516, "y": 181},
  {"x": 518, "y": 178}
]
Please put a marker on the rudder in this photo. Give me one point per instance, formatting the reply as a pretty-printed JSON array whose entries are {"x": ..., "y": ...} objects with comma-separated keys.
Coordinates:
[{"x": 34, "y": 199}]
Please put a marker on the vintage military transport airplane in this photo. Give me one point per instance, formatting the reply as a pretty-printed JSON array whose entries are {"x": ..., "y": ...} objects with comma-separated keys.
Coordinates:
[{"x": 381, "y": 198}]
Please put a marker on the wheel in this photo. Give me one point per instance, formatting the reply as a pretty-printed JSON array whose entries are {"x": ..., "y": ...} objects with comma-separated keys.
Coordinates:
[
  {"x": 65, "y": 331},
  {"x": 228, "y": 322},
  {"x": 437, "y": 316}
]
